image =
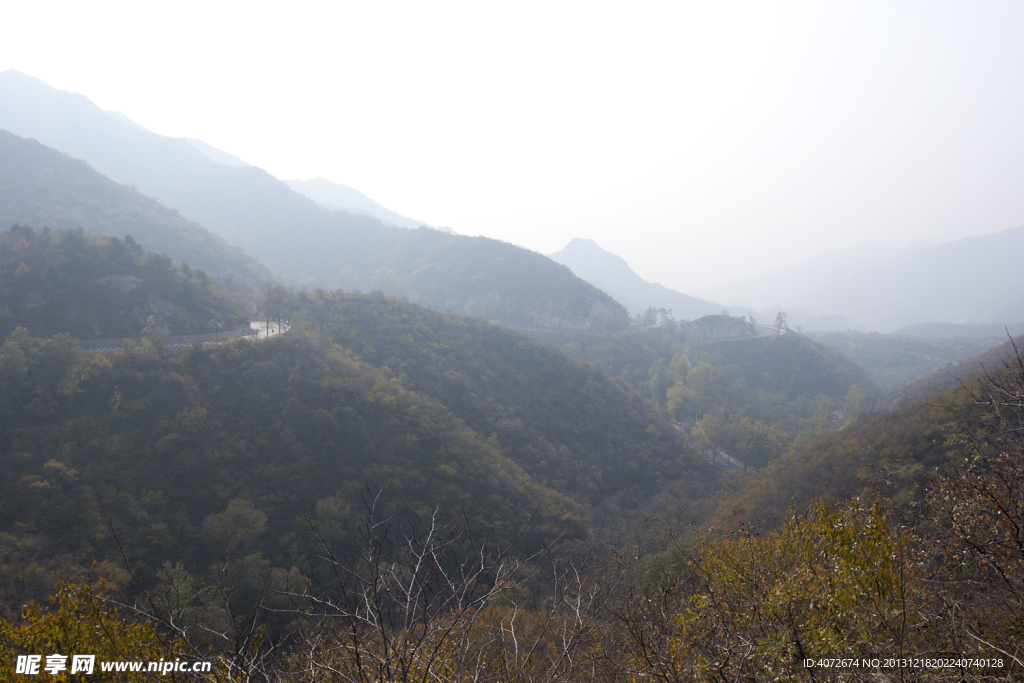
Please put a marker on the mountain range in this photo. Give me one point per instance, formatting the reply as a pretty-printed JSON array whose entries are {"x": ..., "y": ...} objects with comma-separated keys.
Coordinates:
[
  {"x": 327, "y": 194},
  {"x": 240, "y": 497},
  {"x": 362, "y": 246},
  {"x": 299, "y": 240},
  {"x": 612, "y": 274},
  {"x": 41, "y": 187},
  {"x": 343, "y": 198},
  {"x": 972, "y": 280}
]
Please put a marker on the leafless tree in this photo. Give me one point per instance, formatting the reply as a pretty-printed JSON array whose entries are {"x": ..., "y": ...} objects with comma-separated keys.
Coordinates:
[{"x": 427, "y": 601}]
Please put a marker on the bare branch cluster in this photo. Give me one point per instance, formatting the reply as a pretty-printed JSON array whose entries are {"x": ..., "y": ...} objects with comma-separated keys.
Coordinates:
[{"x": 427, "y": 602}]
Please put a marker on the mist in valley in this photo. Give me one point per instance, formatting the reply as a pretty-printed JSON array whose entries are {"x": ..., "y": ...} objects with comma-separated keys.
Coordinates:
[{"x": 561, "y": 343}]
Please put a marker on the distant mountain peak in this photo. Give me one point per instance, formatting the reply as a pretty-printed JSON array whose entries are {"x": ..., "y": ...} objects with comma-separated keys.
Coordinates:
[
  {"x": 588, "y": 248},
  {"x": 611, "y": 273}
]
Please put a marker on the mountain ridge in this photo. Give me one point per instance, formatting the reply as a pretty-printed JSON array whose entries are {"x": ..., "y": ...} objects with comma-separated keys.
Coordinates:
[
  {"x": 302, "y": 242},
  {"x": 339, "y": 197},
  {"x": 42, "y": 187},
  {"x": 612, "y": 274}
]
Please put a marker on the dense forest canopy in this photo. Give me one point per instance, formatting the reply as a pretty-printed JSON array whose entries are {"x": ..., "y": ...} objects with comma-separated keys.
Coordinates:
[
  {"x": 54, "y": 281},
  {"x": 390, "y": 492},
  {"x": 364, "y": 393},
  {"x": 902, "y": 448},
  {"x": 153, "y": 447},
  {"x": 733, "y": 391},
  {"x": 562, "y": 415},
  {"x": 216, "y": 469}
]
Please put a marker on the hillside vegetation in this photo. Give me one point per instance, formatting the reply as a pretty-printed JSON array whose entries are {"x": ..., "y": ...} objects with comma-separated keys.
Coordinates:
[
  {"x": 189, "y": 456},
  {"x": 213, "y": 525},
  {"x": 750, "y": 397},
  {"x": 474, "y": 276},
  {"x": 563, "y": 420},
  {"x": 44, "y": 188},
  {"x": 956, "y": 374},
  {"x": 393, "y": 491},
  {"x": 899, "y": 449},
  {"x": 55, "y": 281},
  {"x": 481, "y": 492},
  {"x": 894, "y": 361}
]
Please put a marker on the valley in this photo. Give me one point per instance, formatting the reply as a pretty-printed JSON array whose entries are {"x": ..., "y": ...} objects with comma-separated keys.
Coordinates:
[{"x": 277, "y": 426}]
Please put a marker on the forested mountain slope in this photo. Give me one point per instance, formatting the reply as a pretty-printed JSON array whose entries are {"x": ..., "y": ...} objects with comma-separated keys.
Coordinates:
[
  {"x": 895, "y": 360},
  {"x": 219, "y": 452},
  {"x": 234, "y": 481},
  {"x": 750, "y": 397},
  {"x": 952, "y": 376},
  {"x": 564, "y": 421},
  {"x": 474, "y": 276},
  {"x": 192, "y": 456},
  {"x": 301, "y": 241},
  {"x": 97, "y": 288},
  {"x": 896, "y": 451},
  {"x": 42, "y": 187},
  {"x": 793, "y": 365}
]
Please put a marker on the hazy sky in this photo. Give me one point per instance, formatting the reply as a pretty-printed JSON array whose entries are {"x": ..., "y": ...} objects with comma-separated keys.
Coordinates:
[{"x": 697, "y": 140}]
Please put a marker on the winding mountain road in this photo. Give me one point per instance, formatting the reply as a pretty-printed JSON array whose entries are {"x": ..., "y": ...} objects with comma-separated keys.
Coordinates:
[{"x": 257, "y": 331}]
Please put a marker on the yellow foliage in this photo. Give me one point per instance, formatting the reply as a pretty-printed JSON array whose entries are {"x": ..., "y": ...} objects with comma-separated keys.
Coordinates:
[
  {"x": 81, "y": 623},
  {"x": 834, "y": 582}
]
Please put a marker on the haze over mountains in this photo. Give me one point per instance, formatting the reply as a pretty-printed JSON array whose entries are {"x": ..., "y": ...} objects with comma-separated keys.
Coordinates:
[
  {"x": 973, "y": 280},
  {"x": 931, "y": 290},
  {"x": 323, "y": 234},
  {"x": 41, "y": 187},
  {"x": 232, "y": 477},
  {"x": 613, "y": 275},
  {"x": 243, "y": 204},
  {"x": 301, "y": 241},
  {"x": 343, "y": 198},
  {"x": 327, "y": 194}
]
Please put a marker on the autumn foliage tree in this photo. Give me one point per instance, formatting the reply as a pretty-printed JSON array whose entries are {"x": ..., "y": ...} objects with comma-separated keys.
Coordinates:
[
  {"x": 836, "y": 581},
  {"x": 81, "y": 620},
  {"x": 979, "y": 508}
]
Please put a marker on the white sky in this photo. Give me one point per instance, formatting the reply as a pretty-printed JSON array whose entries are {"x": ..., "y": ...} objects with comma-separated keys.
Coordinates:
[{"x": 699, "y": 141}]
